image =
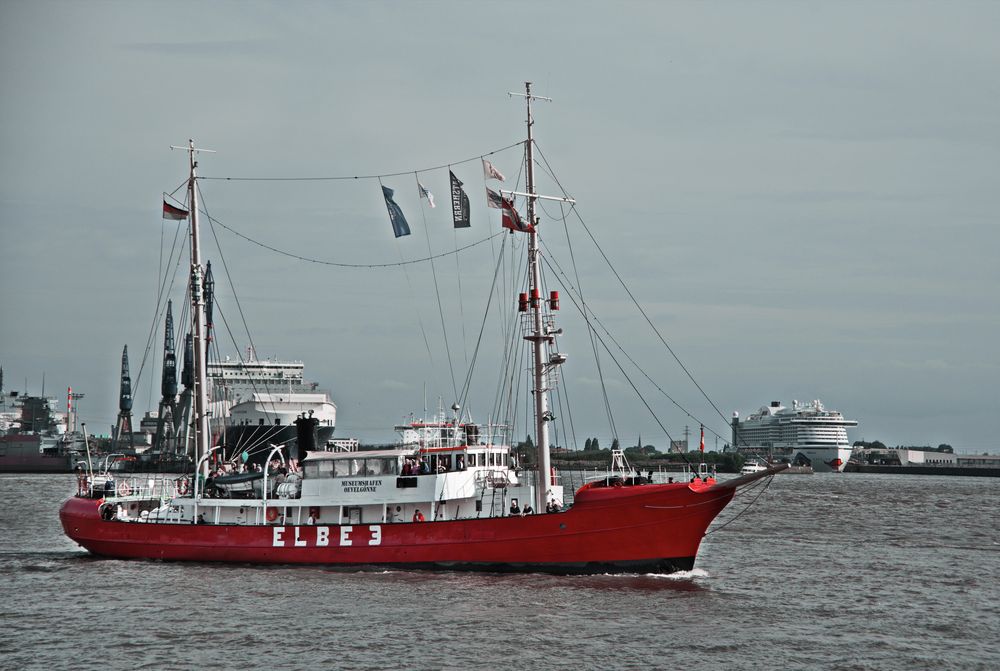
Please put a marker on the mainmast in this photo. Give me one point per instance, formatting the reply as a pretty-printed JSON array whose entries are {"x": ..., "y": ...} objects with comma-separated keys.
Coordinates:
[
  {"x": 538, "y": 336},
  {"x": 543, "y": 331}
]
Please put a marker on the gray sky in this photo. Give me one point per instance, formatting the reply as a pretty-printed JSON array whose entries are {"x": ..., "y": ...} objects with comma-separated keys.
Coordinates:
[{"x": 802, "y": 195}]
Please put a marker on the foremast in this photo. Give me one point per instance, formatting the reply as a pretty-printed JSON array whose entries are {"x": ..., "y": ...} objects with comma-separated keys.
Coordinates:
[{"x": 202, "y": 436}]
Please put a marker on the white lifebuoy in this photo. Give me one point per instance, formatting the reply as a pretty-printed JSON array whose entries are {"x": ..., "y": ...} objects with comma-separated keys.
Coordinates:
[{"x": 124, "y": 488}]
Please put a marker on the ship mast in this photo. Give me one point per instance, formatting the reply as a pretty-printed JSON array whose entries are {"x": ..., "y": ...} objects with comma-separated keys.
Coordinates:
[
  {"x": 201, "y": 431},
  {"x": 538, "y": 337}
]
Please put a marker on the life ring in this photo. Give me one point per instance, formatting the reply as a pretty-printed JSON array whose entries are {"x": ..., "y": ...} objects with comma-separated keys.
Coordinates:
[
  {"x": 272, "y": 514},
  {"x": 124, "y": 488},
  {"x": 107, "y": 512},
  {"x": 182, "y": 485},
  {"x": 618, "y": 483}
]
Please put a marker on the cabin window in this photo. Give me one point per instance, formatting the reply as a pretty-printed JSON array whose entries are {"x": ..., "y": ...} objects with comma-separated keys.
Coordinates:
[
  {"x": 310, "y": 470},
  {"x": 374, "y": 467},
  {"x": 444, "y": 461},
  {"x": 390, "y": 467},
  {"x": 472, "y": 460},
  {"x": 325, "y": 469},
  {"x": 357, "y": 467},
  {"x": 341, "y": 468}
]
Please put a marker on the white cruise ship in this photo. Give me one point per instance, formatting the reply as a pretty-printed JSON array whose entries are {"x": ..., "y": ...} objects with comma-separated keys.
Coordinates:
[{"x": 805, "y": 434}]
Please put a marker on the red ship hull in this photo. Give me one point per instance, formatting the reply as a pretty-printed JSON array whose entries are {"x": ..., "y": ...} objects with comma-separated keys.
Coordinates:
[{"x": 645, "y": 528}]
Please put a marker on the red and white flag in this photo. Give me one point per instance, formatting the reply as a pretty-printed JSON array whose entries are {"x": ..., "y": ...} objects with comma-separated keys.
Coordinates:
[
  {"x": 490, "y": 172},
  {"x": 512, "y": 220},
  {"x": 702, "y": 447},
  {"x": 173, "y": 212}
]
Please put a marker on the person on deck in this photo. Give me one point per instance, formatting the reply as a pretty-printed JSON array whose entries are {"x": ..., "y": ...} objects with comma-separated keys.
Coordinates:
[
  {"x": 418, "y": 516},
  {"x": 527, "y": 510},
  {"x": 514, "y": 508}
]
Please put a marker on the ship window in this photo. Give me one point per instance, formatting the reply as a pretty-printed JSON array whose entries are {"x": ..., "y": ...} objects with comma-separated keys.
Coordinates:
[
  {"x": 357, "y": 467},
  {"x": 277, "y": 421},
  {"x": 341, "y": 467},
  {"x": 325, "y": 469},
  {"x": 374, "y": 467},
  {"x": 390, "y": 466},
  {"x": 262, "y": 421},
  {"x": 444, "y": 461},
  {"x": 310, "y": 470}
]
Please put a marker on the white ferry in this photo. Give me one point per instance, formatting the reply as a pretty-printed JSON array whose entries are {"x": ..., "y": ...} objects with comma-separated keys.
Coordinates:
[
  {"x": 267, "y": 401},
  {"x": 805, "y": 434}
]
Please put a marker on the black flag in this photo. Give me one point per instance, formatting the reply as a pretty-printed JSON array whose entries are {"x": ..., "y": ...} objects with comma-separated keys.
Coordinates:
[{"x": 459, "y": 203}]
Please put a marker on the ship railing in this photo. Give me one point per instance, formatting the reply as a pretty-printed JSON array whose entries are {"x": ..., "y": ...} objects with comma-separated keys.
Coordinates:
[
  {"x": 147, "y": 487},
  {"x": 493, "y": 478}
]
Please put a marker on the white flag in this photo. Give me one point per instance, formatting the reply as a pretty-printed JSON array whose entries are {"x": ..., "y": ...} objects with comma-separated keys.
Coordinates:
[
  {"x": 489, "y": 172},
  {"x": 424, "y": 193}
]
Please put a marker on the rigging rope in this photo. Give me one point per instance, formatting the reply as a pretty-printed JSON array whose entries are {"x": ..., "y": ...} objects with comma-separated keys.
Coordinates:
[
  {"x": 571, "y": 289},
  {"x": 239, "y": 305},
  {"x": 590, "y": 331},
  {"x": 620, "y": 367},
  {"x": 745, "y": 508},
  {"x": 160, "y": 305},
  {"x": 475, "y": 352},
  {"x": 437, "y": 293},
  {"x": 346, "y": 265},
  {"x": 373, "y": 176},
  {"x": 632, "y": 296}
]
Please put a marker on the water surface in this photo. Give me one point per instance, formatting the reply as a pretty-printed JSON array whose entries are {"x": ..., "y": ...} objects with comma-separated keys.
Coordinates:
[{"x": 828, "y": 571}]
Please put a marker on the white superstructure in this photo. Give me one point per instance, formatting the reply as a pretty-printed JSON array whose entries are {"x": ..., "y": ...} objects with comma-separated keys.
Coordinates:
[{"x": 806, "y": 433}]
